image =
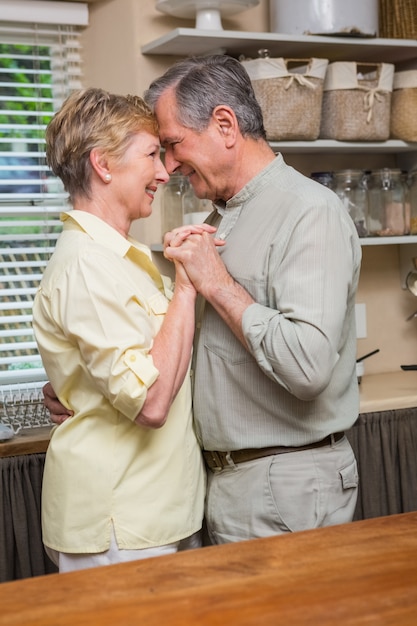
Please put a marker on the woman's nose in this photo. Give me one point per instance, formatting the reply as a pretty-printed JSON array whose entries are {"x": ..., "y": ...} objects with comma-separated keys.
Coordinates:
[{"x": 162, "y": 173}]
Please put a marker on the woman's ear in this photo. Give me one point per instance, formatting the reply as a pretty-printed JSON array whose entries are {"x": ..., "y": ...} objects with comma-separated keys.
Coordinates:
[{"x": 100, "y": 165}]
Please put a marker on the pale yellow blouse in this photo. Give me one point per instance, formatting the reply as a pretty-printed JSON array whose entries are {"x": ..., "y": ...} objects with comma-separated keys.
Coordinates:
[{"x": 100, "y": 303}]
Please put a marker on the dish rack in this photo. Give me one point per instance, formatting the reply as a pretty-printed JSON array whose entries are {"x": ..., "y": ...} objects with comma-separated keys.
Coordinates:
[{"x": 21, "y": 406}]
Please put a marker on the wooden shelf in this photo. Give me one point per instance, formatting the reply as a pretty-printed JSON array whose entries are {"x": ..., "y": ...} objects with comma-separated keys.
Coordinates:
[
  {"x": 383, "y": 241},
  {"x": 190, "y": 41},
  {"x": 342, "y": 147},
  {"x": 365, "y": 241}
]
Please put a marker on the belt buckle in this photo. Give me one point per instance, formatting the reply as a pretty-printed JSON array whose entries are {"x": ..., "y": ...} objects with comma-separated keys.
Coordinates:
[{"x": 216, "y": 461}]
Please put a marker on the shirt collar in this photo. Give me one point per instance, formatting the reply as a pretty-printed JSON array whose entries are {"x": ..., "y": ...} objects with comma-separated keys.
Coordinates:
[
  {"x": 103, "y": 233},
  {"x": 231, "y": 209},
  {"x": 254, "y": 185}
]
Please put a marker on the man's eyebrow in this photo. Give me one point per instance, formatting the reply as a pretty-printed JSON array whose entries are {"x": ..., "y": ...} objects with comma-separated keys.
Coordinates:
[{"x": 168, "y": 140}]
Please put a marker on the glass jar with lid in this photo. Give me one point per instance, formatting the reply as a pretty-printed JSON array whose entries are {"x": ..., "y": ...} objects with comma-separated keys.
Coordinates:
[
  {"x": 412, "y": 196},
  {"x": 350, "y": 186},
  {"x": 324, "y": 178},
  {"x": 387, "y": 197},
  {"x": 195, "y": 210},
  {"x": 172, "y": 202},
  {"x": 407, "y": 208}
]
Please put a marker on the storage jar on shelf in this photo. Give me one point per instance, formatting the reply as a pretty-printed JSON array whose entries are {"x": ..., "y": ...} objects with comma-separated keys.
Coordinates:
[
  {"x": 351, "y": 189},
  {"x": 172, "y": 202},
  {"x": 388, "y": 214},
  {"x": 412, "y": 195},
  {"x": 180, "y": 205},
  {"x": 324, "y": 17},
  {"x": 194, "y": 210},
  {"x": 324, "y": 178}
]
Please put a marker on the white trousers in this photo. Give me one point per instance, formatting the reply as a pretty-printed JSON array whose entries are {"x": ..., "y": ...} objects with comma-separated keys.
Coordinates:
[{"x": 70, "y": 562}]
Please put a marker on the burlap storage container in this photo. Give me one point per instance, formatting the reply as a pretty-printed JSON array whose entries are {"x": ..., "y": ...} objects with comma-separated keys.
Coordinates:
[
  {"x": 357, "y": 101},
  {"x": 398, "y": 19},
  {"x": 290, "y": 93},
  {"x": 404, "y": 106}
]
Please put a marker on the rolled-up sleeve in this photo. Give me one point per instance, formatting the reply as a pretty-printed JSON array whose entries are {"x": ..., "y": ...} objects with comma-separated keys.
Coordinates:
[
  {"x": 295, "y": 337},
  {"x": 111, "y": 327}
]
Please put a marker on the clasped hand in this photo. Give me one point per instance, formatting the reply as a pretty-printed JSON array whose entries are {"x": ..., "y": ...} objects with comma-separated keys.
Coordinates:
[{"x": 196, "y": 249}]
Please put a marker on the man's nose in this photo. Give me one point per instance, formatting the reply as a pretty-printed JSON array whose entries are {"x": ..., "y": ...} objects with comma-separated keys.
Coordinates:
[{"x": 171, "y": 164}]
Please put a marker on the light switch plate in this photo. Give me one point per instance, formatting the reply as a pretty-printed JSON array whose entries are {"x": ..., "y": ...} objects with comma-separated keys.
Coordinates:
[{"x": 360, "y": 315}]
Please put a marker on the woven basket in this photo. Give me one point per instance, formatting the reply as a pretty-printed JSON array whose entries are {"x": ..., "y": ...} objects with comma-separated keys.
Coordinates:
[
  {"x": 404, "y": 106},
  {"x": 356, "y": 114},
  {"x": 291, "y": 106},
  {"x": 398, "y": 19}
]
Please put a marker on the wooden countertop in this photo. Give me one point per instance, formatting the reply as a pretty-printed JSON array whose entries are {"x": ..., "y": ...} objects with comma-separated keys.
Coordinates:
[
  {"x": 27, "y": 442},
  {"x": 391, "y": 390},
  {"x": 350, "y": 575}
]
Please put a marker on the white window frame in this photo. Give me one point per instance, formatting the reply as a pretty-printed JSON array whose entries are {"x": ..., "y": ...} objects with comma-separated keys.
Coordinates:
[{"x": 22, "y": 212}]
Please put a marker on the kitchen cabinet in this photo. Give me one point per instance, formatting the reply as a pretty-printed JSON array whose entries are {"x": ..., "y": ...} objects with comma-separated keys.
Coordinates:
[
  {"x": 22, "y": 459},
  {"x": 384, "y": 446},
  {"x": 401, "y": 52},
  {"x": 22, "y": 554}
]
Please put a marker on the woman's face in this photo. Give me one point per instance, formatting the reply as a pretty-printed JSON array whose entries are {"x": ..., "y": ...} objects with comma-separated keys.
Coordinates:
[{"x": 136, "y": 176}]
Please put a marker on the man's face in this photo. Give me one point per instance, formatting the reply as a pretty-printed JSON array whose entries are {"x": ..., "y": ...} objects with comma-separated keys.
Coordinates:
[{"x": 198, "y": 155}]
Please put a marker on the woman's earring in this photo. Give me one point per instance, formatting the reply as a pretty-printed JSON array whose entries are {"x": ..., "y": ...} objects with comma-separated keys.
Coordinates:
[{"x": 107, "y": 178}]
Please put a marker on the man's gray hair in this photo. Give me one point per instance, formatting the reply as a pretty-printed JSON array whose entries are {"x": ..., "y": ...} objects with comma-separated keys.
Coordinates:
[{"x": 201, "y": 84}]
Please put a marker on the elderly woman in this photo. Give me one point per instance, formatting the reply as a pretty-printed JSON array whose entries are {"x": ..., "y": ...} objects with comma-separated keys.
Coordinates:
[{"x": 123, "y": 477}]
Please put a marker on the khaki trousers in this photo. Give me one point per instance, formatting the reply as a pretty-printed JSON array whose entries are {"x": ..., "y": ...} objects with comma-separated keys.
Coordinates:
[{"x": 282, "y": 493}]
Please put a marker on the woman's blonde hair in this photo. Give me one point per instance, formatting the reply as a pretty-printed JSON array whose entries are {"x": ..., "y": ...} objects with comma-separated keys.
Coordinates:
[{"x": 93, "y": 118}]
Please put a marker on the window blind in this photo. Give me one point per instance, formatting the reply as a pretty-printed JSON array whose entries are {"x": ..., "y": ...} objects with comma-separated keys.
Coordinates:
[{"x": 40, "y": 64}]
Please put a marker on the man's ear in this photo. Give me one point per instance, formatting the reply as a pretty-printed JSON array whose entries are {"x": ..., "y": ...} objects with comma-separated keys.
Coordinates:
[
  {"x": 99, "y": 163},
  {"x": 226, "y": 121}
]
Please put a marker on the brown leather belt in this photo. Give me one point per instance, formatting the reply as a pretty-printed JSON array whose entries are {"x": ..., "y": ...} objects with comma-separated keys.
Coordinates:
[{"x": 219, "y": 460}]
